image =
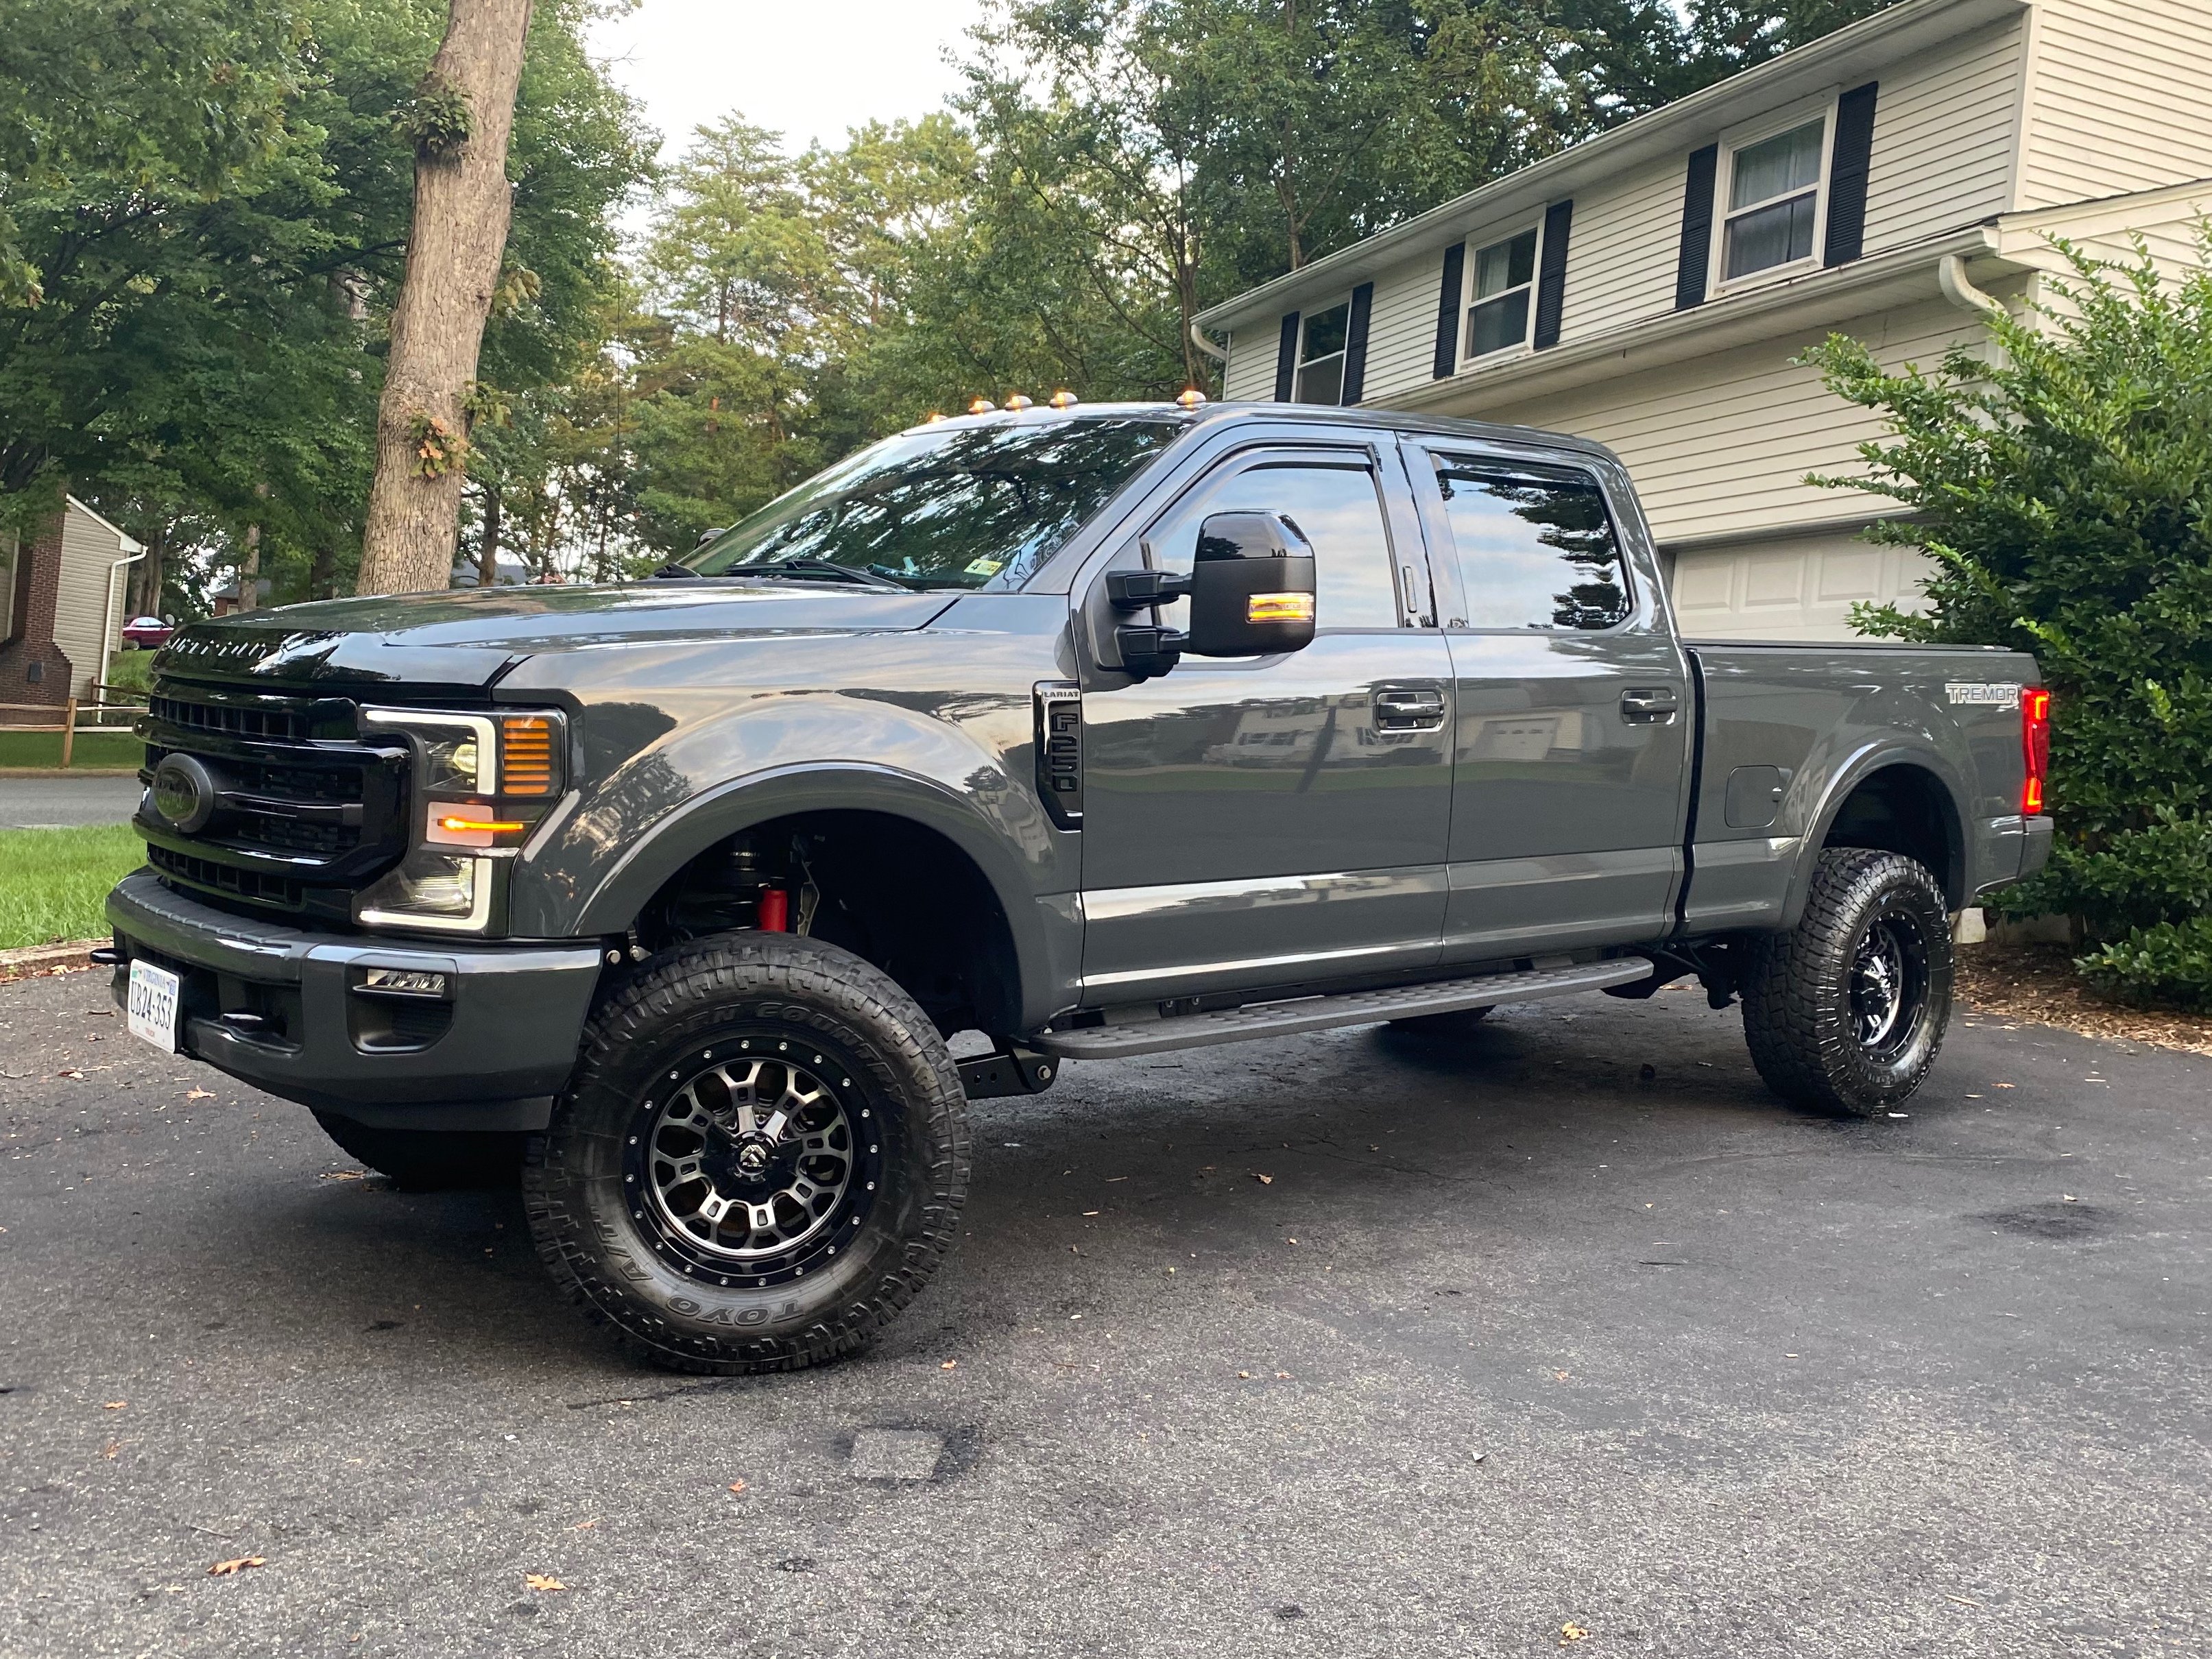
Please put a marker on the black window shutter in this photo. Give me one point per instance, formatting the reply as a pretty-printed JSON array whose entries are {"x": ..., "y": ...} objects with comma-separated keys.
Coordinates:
[
  {"x": 1696, "y": 257},
  {"x": 1286, "y": 359},
  {"x": 1848, "y": 166},
  {"x": 1552, "y": 279},
  {"x": 1355, "y": 342},
  {"x": 1448, "y": 310}
]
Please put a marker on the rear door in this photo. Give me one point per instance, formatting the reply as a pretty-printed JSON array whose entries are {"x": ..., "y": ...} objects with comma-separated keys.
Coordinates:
[
  {"x": 1266, "y": 820},
  {"x": 1570, "y": 766}
]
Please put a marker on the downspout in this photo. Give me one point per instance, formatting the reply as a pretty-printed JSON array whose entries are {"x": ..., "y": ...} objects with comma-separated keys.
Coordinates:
[
  {"x": 1951, "y": 275},
  {"x": 108, "y": 625},
  {"x": 1198, "y": 338}
]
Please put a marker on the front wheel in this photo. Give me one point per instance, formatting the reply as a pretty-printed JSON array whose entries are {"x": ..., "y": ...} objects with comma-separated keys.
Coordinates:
[
  {"x": 762, "y": 1159},
  {"x": 1845, "y": 1013}
]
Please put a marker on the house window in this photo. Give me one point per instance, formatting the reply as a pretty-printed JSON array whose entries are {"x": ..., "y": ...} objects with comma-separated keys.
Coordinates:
[
  {"x": 1774, "y": 200},
  {"x": 1505, "y": 277},
  {"x": 1321, "y": 354}
]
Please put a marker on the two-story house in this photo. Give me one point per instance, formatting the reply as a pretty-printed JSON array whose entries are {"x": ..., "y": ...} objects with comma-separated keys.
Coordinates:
[{"x": 1650, "y": 287}]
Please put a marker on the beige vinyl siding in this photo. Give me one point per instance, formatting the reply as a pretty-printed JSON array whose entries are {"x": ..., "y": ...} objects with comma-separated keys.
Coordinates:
[
  {"x": 1250, "y": 376},
  {"x": 1621, "y": 253},
  {"x": 2119, "y": 98},
  {"x": 1720, "y": 445},
  {"x": 1943, "y": 138},
  {"x": 1798, "y": 587},
  {"x": 89, "y": 551},
  {"x": 1401, "y": 332}
]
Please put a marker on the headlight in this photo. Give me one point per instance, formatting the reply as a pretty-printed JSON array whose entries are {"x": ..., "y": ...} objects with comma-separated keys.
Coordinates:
[
  {"x": 481, "y": 782},
  {"x": 431, "y": 890}
]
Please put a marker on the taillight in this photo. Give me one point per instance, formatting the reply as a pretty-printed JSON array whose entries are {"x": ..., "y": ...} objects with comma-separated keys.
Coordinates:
[{"x": 2034, "y": 748}]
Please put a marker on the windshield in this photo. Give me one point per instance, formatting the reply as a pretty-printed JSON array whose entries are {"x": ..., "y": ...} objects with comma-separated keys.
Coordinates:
[{"x": 973, "y": 506}]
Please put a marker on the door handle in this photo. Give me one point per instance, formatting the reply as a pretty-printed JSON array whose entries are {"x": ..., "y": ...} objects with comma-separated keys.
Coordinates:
[
  {"x": 1649, "y": 705},
  {"x": 1409, "y": 709}
]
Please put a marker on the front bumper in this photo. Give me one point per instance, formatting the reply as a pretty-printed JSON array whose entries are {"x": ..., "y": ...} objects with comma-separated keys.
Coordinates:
[{"x": 490, "y": 1054}]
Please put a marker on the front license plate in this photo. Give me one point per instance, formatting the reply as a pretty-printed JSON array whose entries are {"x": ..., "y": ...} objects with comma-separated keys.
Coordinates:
[{"x": 153, "y": 1006}]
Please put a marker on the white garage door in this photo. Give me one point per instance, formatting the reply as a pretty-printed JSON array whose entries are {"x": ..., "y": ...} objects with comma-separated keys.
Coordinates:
[{"x": 1801, "y": 588}]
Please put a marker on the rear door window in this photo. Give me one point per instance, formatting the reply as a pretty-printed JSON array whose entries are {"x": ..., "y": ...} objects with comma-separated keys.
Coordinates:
[{"x": 1536, "y": 544}]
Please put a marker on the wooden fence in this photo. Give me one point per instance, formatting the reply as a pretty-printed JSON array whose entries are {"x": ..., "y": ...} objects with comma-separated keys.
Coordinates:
[{"x": 71, "y": 712}]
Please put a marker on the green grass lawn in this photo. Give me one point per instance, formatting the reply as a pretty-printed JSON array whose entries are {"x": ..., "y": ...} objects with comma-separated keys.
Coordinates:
[
  {"x": 54, "y": 883},
  {"x": 97, "y": 750}
]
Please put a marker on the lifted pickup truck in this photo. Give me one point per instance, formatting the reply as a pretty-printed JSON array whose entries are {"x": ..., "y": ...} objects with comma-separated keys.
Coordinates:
[{"x": 1099, "y": 733}]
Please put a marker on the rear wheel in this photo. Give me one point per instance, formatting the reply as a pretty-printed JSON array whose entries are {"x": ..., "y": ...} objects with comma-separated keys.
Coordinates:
[
  {"x": 1846, "y": 1011},
  {"x": 762, "y": 1161},
  {"x": 430, "y": 1160}
]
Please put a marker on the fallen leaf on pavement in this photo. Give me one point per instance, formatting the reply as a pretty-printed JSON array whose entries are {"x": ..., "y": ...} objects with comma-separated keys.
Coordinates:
[
  {"x": 228, "y": 1569},
  {"x": 586, "y": 1526},
  {"x": 114, "y": 1405},
  {"x": 539, "y": 1581},
  {"x": 2070, "y": 1198},
  {"x": 199, "y": 1094},
  {"x": 1247, "y": 1375},
  {"x": 1571, "y": 1633},
  {"x": 948, "y": 1365},
  {"x": 1265, "y": 1180},
  {"x": 343, "y": 1175},
  {"x": 112, "y": 1449},
  {"x": 736, "y": 1486},
  {"x": 72, "y": 1072}
]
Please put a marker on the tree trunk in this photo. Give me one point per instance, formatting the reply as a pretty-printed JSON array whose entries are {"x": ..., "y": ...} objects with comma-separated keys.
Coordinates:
[
  {"x": 323, "y": 572},
  {"x": 464, "y": 114},
  {"x": 249, "y": 569},
  {"x": 146, "y": 592},
  {"x": 488, "y": 552}
]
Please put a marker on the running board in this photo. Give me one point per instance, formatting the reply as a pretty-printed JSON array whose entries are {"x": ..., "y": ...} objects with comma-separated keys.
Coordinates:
[{"x": 1319, "y": 1013}]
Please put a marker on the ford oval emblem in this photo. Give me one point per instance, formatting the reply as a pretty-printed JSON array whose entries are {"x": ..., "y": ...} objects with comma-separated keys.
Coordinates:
[{"x": 185, "y": 793}]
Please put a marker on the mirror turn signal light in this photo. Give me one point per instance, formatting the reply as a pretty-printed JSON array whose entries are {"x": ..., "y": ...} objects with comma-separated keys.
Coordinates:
[{"x": 1279, "y": 608}]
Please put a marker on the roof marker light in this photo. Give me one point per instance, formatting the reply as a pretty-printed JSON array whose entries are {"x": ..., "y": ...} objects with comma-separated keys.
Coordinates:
[
  {"x": 1191, "y": 397},
  {"x": 933, "y": 418},
  {"x": 1018, "y": 403},
  {"x": 982, "y": 406},
  {"x": 1064, "y": 399}
]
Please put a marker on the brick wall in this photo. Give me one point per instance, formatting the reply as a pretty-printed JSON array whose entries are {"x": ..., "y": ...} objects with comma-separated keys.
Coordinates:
[{"x": 32, "y": 650}]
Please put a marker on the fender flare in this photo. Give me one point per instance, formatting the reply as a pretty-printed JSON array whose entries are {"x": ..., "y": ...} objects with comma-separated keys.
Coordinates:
[
  {"x": 783, "y": 791},
  {"x": 1881, "y": 757}
]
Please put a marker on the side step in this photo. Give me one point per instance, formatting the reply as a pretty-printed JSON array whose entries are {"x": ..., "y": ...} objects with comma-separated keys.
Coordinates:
[{"x": 1319, "y": 1013}]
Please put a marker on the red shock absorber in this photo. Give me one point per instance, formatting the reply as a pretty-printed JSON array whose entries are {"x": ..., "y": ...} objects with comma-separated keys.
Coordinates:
[
  {"x": 2034, "y": 749},
  {"x": 775, "y": 911}
]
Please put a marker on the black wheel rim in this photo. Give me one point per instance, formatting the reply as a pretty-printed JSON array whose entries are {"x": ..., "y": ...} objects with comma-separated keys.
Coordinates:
[
  {"x": 753, "y": 1160},
  {"x": 1889, "y": 985}
]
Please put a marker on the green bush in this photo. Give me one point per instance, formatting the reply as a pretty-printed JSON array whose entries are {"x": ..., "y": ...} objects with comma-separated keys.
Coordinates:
[
  {"x": 2063, "y": 489},
  {"x": 131, "y": 670}
]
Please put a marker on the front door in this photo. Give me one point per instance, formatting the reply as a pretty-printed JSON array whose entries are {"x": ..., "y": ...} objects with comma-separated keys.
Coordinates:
[
  {"x": 1574, "y": 713},
  {"x": 1279, "y": 819}
]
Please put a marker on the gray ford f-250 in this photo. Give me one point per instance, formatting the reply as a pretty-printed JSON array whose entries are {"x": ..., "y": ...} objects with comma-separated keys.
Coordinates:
[{"x": 1099, "y": 731}]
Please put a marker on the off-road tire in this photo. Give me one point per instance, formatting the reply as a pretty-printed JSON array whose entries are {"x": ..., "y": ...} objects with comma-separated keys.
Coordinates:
[
  {"x": 431, "y": 1160},
  {"x": 1459, "y": 1022},
  {"x": 1799, "y": 1014},
  {"x": 629, "y": 1265}
]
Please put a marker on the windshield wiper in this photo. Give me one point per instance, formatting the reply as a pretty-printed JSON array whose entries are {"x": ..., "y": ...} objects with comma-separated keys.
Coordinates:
[{"x": 819, "y": 570}]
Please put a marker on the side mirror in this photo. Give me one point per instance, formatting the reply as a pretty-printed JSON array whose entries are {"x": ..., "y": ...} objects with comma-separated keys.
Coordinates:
[
  {"x": 709, "y": 533},
  {"x": 1250, "y": 588}
]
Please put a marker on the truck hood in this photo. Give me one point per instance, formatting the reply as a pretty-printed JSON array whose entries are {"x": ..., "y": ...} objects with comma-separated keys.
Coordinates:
[{"x": 465, "y": 638}]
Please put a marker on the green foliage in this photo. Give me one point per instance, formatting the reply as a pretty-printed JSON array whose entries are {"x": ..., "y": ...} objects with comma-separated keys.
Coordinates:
[
  {"x": 2061, "y": 485},
  {"x": 438, "y": 120},
  {"x": 54, "y": 883}
]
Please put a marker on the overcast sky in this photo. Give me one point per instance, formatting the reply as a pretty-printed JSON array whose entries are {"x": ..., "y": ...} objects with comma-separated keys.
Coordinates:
[{"x": 808, "y": 69}]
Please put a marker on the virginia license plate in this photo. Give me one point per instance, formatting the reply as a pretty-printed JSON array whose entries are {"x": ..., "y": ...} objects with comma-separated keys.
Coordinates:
[{"x": 153, "y": 1006}]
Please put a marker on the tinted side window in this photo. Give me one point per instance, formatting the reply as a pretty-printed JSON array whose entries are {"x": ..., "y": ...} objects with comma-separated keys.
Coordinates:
[
  {"x": 1536, "y": 545},
  {"x": 1336, "y": 508}
]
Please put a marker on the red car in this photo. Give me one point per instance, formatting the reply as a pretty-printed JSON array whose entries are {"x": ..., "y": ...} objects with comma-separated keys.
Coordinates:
[{"x": 147, "y": 632}]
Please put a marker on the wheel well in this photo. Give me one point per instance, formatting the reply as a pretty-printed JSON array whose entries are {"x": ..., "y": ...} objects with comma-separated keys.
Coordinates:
[
  {"x": 890, "y": 891},
  {"x": 1904, "y": 808}
]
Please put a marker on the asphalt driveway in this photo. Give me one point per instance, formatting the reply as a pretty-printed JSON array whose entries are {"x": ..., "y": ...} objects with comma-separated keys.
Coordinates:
[
  {"x": 1519, "y": 1347},
  {"x": 60, "y": 803}
]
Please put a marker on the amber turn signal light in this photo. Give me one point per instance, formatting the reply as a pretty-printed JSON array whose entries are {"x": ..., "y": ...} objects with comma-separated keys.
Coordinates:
[
  {"x": 1279, "y": 608},
  {"x": 525, "y": 756}
]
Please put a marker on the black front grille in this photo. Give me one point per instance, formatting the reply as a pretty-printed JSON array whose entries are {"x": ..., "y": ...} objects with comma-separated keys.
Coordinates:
[
  {"x": 252, "y": 885},
  {"x": 258, "y": 718},
  {"x": 306, "y": 812}
]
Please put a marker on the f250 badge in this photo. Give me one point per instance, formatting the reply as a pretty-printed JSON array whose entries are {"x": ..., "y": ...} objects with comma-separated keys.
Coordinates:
[{"x": 2005, "y": 695}]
